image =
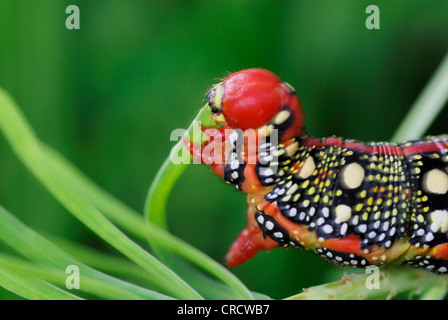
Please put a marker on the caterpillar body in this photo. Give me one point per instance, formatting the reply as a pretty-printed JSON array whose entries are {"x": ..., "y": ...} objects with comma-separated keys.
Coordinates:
[{"x": 353, "y": 203}]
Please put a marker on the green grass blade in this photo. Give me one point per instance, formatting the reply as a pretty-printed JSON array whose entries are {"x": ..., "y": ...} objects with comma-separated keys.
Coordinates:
[
  {"x": 118, "y": 266},
  {"x": 36, "y": 248},
  {"x": 105, "y": 262},
  {"x": 26, "y": 146},
  {"x": 32, "y": 288},
  {"x": 427, "y": 106},
  {"x": 57, "y": 276}
]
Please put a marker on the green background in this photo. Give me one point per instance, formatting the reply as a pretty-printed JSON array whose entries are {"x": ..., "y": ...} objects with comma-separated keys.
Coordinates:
[{"x": 107, "y": 97}]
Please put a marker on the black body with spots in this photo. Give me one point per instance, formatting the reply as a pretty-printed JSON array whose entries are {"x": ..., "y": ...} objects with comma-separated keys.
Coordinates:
[{"x": 383, "y": 193}]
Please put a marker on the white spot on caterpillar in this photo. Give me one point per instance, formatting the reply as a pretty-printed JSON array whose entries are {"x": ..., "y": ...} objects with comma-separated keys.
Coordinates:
[
  {"x": 266, "y": 171},
  {"x": 343, "y": 212},
  {"x": 293, "y": 189},
  {"x": 308, "y": 168},
  {"x": 278, "y": 234},
  {"x": 281, "y": 117},
  {"x": 327, "y": 228},
  {"x": 292, "y": 212},
  {"x": 435, "y": 181},
  {"x": 233, "y": 137},
  {"x": 442, "y": 269},
  {"x": 343, "y": 229},
  {"x": 439, "y": 220},
  {"x": 362, "y": 228},
  {"x": 234, "y": 164},
  {"x": 269, "y": 180},
  {"x": 291, "y": 149},
  {"x": 352, "y": 176}
]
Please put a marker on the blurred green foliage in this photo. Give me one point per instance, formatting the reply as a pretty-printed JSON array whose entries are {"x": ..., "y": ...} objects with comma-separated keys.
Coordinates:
[{"x": 107, "y": 96}]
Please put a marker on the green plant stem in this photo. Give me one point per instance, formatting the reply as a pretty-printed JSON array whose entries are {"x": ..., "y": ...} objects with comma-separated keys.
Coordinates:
[
  {"x": 393, "y": 280},
  {"x": 427, "y": 106},
  {"x": 155, "y": 210},
  {"x": 168, "y": 174}
]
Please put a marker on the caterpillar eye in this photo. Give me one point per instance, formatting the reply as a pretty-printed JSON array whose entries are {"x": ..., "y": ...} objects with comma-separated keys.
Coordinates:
[{"x": 215, "y": 98}]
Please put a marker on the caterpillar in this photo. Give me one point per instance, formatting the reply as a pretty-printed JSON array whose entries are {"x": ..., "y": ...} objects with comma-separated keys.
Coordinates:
[{"x": 353, "y": 203}]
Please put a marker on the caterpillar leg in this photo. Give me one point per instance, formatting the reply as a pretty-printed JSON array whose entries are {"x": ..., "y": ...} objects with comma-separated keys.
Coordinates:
[{"x": 249, "y": 242}]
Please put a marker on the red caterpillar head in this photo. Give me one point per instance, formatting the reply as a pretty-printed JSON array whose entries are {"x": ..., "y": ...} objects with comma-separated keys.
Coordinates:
[{"x": 255, "y": 98}]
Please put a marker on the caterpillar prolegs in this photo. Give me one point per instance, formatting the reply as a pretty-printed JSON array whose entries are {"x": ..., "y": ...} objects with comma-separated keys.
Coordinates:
[{"x": 353, "y": 203}]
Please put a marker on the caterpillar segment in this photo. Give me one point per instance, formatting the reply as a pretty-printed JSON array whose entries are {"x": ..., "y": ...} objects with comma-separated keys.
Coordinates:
[{"x": 353, "y": 203}]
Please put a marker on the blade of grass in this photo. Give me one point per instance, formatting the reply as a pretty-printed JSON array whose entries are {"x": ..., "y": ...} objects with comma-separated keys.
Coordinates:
[
  {"x": 115, "y": 265},
  {"x": 24, "y": 143},
  {"x": 427, "y": 106},
  {"x": 57, "y": 276},
  {"x": 32, "y": 288},
  {"x": 31, "y": 245}
]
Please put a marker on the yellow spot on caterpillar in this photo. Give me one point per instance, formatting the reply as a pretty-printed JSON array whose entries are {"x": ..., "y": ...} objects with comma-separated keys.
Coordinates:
[
  {"x": 305, "y": 184},
  {"x": 365, "y": 216}
]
